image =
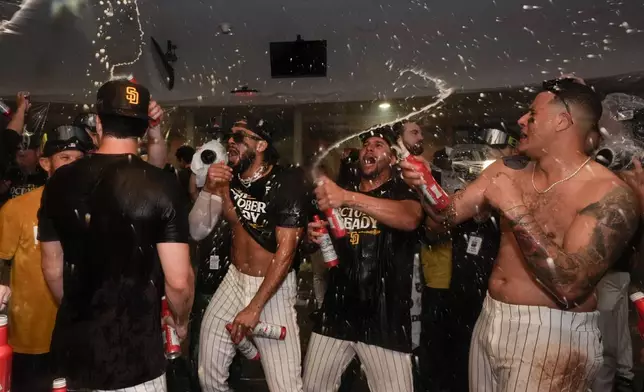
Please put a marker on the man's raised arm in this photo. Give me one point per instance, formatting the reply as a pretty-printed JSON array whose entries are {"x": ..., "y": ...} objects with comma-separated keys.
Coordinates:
[
  {"x": 399, "y": 214},
  {"x": 464, "y": 205}
]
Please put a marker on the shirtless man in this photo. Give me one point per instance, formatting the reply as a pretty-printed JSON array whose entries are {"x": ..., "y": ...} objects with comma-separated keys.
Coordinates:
[
  {"x": 565, "y": 220},
  {"x": 264, "y": 204}
]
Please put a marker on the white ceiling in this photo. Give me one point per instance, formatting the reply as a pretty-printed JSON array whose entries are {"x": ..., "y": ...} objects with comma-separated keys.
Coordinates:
[{"x": 471, "y": 44}]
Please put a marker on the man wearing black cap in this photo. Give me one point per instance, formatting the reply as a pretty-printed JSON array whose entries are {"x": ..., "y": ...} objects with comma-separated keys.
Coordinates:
[
  {"x": 114, "y": 238},
  {"x": 32, "y": 309},
  {"x": 366, "y": 308},
  {"x": 265, "y": 205}
]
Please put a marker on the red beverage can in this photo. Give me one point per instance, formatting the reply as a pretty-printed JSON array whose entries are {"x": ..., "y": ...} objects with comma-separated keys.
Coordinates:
[
  {"x": 270, "y": 331},
  {"x": 326, "y": 246},
  {"x": 432, "y": 192},
  {"x": 6, "y": 354},
  {"x": 638, "y": 300},
  {"x": 171, "y": 339},
  {"x": 246, "y": 347},
  {"x": 59, "y": 385},
  {"x": 5, "y": 109},
  {"x": 335, "y": 222}
]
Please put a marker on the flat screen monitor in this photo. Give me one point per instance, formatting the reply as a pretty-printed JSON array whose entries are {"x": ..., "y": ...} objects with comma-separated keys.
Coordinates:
[{"x": 298, "y": 59}]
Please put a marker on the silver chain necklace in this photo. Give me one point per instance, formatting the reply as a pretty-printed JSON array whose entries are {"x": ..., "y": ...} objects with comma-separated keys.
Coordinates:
[
  {"x": 534, "y": 168},
  {"x": 248, "y": 181}
]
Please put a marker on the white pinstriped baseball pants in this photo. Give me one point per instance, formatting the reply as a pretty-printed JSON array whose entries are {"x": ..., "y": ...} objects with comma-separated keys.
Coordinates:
[
  {"x": 327, "y": 358},
  {"x": 281, "y": 360},
  {"x": 533, "y": 349},
  {"x": 156, "y": 385}
]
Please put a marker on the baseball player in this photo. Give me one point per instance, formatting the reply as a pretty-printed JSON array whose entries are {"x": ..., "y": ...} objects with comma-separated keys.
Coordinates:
[
  {"x": 32, "y": 310},
  {"x": 565, "y": 220},
  {"x": 265, "y": 206},
  {"x": 366, "y": 309},
  {"x": 113, "y": 231}
]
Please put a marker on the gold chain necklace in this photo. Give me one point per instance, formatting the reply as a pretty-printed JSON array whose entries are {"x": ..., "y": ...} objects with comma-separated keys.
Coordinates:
[{"x": 534, "y": 168}]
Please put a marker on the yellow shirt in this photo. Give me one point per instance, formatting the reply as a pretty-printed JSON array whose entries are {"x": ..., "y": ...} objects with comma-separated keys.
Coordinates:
[
  {"x": 32, "y": 308},
  {"x": 437, "y": 264}
]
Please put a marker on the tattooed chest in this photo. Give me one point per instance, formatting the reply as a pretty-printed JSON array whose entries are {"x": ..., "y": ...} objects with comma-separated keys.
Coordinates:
[{"x": 552, "y": 213}]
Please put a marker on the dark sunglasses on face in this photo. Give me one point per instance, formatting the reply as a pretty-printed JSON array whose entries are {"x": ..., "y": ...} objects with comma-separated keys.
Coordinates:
[{"x": 238, "y": 137}]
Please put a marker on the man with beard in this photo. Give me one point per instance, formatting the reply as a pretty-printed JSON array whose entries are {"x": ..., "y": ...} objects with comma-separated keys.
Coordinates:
[
  {"x": 565, "y": 220},
  {"x": 265, "y": 206},
  {"x": 412, "y": 136},
  {"x": 366, "y": 309}
]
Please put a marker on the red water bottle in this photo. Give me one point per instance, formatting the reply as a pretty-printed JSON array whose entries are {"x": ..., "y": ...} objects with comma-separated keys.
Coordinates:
[
  {"x": 432, "y": 192},
  {"x": 172, "y": 343},
  {"x": 335, "y": 222},
  {"x": 638, "y": 301},
  {"x": 246, "y": 347},
  {"x": 326, "y": 246},
  {"x": 59, "y": 385},
  {"x": 5, "y": 356},
  {"x": 5, "y": 109}
]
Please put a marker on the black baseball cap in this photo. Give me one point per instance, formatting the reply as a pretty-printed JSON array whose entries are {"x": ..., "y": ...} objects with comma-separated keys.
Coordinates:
[
  {"x": 86, "y": 121},
  {"x": 261, "y": 128},
  {"x": 66, "y": 137},
  {"x": 385, "y": 132},
  {"x": 123, "y": 98}
]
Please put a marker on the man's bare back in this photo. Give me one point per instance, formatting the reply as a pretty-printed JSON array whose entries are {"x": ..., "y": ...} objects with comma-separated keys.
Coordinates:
[{"x": 512, "y": 281}]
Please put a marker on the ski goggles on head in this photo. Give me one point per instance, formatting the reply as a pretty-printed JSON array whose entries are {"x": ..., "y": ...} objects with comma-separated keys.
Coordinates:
[{"x": 66, "y": 137}]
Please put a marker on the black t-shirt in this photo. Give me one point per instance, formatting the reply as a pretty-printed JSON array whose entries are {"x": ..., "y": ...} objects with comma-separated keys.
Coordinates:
[
  {"x": 22, "y": 183},
  {"x": 109, "y": 212},
  {"x": 280, "y": 198},
  {"x": 183, "y": 175},
  {"x": 368, "y": 297}
]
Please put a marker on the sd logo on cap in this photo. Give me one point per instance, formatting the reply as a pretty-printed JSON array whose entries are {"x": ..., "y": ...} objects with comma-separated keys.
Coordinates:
[{"x": 123, "y": 98}]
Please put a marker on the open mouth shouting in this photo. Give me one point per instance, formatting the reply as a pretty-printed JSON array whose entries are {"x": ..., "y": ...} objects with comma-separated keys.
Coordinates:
[{"x": 369, "y": 161}]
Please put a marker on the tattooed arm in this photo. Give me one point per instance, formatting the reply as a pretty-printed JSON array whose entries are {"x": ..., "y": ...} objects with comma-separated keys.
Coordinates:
[
  {"x": 464, "y": 205},
  {"x": 596, "y": 238}
]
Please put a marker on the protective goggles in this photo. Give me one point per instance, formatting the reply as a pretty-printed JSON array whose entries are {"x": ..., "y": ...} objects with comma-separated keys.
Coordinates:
[{"x": 66, "y": 137}]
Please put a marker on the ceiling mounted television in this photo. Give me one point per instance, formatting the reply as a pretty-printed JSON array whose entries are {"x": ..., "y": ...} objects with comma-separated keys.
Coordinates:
[{"x": 298, "y": 59}]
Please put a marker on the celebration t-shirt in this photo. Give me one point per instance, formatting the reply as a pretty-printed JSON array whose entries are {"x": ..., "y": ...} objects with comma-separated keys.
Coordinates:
[
  {"x": 280, "y": 198},
  {"x": 369, "y": 294}
]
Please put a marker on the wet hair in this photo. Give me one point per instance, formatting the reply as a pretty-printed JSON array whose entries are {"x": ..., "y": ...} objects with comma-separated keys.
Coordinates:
[
  {"x": 185, "y": 154},
  {"x": 121, "y": 127},
  {"x": 399, "y": 127},
  {"x": 571, "y": 93}
]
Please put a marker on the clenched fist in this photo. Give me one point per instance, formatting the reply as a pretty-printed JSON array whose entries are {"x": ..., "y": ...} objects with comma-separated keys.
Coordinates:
[
  {"x": 155, "y": 112},
  {"x": 218, "y": 177},
  {"x": 313, "y": 233},
  {"x": 329, "y": 194}
]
